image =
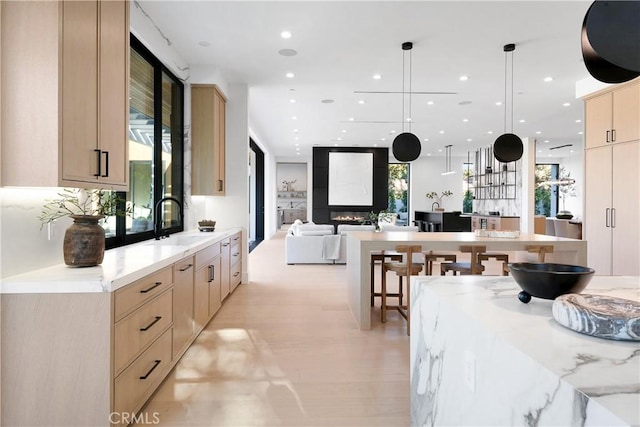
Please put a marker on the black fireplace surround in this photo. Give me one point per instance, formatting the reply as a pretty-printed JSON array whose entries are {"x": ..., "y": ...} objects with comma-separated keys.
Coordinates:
[{"x": 346, "y": 214}]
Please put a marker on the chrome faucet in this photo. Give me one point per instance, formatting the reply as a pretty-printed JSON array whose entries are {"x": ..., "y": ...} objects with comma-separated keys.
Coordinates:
[
  {"x": 433, "y": 204},
  {"x": 158, "y": 216}
]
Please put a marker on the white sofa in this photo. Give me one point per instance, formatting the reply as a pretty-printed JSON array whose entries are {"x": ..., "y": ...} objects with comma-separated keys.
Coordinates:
[
  {"x": 317, "y": 244},
  {"x": 342, "y": 231},
  {"x": 307, "y": 244}
]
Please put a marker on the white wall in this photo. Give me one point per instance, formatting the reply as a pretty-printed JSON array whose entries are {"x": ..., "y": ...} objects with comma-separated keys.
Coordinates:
[
  {"x": 575, "y": 165},
  {"x": 426, "y": 176}
]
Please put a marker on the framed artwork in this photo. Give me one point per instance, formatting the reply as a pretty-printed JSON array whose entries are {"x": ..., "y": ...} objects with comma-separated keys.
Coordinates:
[{"x": 350, "y": 179}]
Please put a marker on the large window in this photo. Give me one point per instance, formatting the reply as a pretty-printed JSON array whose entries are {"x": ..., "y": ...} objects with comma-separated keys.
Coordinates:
[
  {"x": 398, "y": 195},
  {"x": 546, "y": 193},
  {"x": 155, "y": 152}
]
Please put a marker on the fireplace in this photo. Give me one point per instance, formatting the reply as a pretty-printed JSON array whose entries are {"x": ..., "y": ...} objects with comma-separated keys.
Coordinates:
[{"x": 348, "y": 217}]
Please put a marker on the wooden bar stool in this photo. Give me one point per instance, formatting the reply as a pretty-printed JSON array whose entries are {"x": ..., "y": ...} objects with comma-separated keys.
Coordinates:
[
  {"x": 430, "y": 257},
  {"x": 541, "y": 250},
  {"x": 486, "y": 256},
  {"x": 380, "y": 257},
  {"x": 405, "y": 268},
  {"x": 472, "y": 267}
]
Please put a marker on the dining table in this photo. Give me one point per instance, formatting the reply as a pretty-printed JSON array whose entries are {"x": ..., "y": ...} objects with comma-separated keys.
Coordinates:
[{"x": 360, "y": 244}]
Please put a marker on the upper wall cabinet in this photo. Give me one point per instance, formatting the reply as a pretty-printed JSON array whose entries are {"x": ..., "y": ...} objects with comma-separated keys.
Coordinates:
[
  {"x": 614, "y": 116},
  {"x": 208, "y": 111},
  {"x": 65, "y": 87}
]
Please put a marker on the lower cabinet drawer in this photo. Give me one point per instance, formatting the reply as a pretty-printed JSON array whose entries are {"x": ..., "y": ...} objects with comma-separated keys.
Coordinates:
[
  {"x": 235, "y": 276},
  {"x": 134, "y": 383},
  {"x": 235, "y": 254},
  {"x": 141, "y": 327}
]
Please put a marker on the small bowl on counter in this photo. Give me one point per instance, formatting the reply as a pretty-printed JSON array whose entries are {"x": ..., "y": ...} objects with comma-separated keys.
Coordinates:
[
  {"x": 206, "y": 225},
  {"x": 549, "y": 281}
]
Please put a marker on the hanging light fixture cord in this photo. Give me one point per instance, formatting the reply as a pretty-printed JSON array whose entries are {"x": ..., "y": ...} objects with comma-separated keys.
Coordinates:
[
  {"x": 403, "y": 90},
  {"x": 410, "y": 68}
]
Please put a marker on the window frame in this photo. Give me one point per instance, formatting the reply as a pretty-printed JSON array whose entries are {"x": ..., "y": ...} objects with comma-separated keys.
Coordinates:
[{"x": 123, "y": 238}]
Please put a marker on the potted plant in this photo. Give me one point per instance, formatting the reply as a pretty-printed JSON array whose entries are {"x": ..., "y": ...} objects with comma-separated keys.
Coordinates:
[
  {"x": 434, "y": 195},
  {"x": 84, "y": 240}
]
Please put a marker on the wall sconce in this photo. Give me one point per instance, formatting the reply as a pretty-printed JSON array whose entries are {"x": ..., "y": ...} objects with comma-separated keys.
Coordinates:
[{"x": 448, "y": 170}]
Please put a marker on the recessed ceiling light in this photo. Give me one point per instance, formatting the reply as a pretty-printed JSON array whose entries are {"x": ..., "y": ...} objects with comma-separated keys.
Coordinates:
[
  {"x": 464, "y": 78},
  {"x": 441, "y": 131},
  {"x": 343, "y": 131},
  {"x": 288, "y": 52},
  {"x": 408, "y": 119},
  {"x": 498, "y": 103},
  {"x": 465, "y": 120},
  {"x": 490, "y": 132},
  {"x": 440, "y": 151},
  {"x": 429, "y": 102},
  {"x": 350, "y": 119},
  {"x": 580, "y": 133},
  {"x": 335, "y": 145},
  {"x": 361, "y": 101},
  {"x": 297, "y": 148},
  {"x": 375, "y": 145},
  {"x": 566, "y": 104},
  {"x": 289, "y": 75},
  {"x": 293, "y": 101},
  {"x": 571, "y": 151},
  {"x": 578, "y": 121},
  {"x": 294, "y": 118},
  {"x": 339, "y": 139},
  {"x": 548, "y": 79},
  {"x": 383, "y": 139},
  {"x": 550, "y": 155},
  {"x": 296, "y": 138},
  {"x": 539, "y": 151},
  {"x": 295, "y": 131},
  {"x": 538, "y": 132},
  {"x": 392, "y": 131},
  {"x": 285, "y": 34},
  {"x": 298, "y": 153},
  {"x": 327, "y": 101},
  {"x": 546, "y": 140},
  {"x": 469, "y": 139},
  {"x": 428, "y": 154},
  {"x": 377, "y": 76},
  {"x": 297, "y": 145},
  {"x": 204, "y": 43},
  {"x": 426, "y": 139},
  {"x": 521, "y": 120}
]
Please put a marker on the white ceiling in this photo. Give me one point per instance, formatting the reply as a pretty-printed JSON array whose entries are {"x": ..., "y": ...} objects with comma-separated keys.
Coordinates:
[{"x": 341, "y": 45}]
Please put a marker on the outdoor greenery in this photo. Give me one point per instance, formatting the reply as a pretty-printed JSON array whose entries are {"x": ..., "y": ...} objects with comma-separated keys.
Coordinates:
[
  {"x": 543, "y": 193},
  {"x": 467, "y": 202},
  {"x": 398, "y": 196},
  {"x": 75, "y": 201}
]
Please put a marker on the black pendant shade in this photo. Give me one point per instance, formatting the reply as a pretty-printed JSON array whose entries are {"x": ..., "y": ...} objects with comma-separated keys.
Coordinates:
[
  {"x": 610, "y": 40},
  {"x": 406, "y": 147},
  {"x": 508, "y": 148}
]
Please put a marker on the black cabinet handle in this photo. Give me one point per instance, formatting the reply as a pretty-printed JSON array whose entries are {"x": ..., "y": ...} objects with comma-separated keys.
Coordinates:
[
  {"x": 99, "y": 153},
  {"x": 155, "y": 365},
  {"x": 151, "y": 324},
  {"x": 155, "y": 285},
  {"x": 106, "y": 163},
  {"x": 186, "y": 268}
]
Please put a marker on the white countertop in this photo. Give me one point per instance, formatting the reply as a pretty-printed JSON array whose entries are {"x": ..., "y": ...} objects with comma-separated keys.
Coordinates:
[
  {"x": 604, "y": 370},
  {"x": 120, "y": 266}
]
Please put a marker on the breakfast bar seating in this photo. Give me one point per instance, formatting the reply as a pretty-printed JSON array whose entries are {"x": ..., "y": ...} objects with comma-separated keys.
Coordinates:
[
  {"x": 380, "y": 257},
  {"x": 471, "y": 267},
  {"x": 430, "y": 257},
  {"x": 406, "y": 268}
]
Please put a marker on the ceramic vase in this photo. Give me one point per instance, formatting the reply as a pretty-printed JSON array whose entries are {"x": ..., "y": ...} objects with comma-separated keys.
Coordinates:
[{"x": 83, "y": 244}]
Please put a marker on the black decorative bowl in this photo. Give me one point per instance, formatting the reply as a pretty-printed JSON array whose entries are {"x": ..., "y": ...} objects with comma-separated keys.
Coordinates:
[{"x": 548, "y": 281}]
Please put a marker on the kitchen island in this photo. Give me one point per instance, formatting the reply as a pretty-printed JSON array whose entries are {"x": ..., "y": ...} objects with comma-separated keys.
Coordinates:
[
  {"x": 360, "y": 245},
  {"x": 481, "y": 357}
]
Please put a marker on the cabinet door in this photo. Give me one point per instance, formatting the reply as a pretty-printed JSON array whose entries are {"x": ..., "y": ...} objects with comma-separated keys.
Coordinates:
[
  {"x": 597, "y": 230},
  {"x": 626, "y": 113},
  {"x": 225, "y": 268},
  {"x": 598, "y": 116},
  {"x": 114, "y": 92},
  {"x": 219, "y": 143},
  {"x": 626, "y": 205},
  {"x": 201, "y": 297},
  {"x": 215, "y": 298},
  {"x": 183, "y": 328},
  {"x": 79, "y": 91}
]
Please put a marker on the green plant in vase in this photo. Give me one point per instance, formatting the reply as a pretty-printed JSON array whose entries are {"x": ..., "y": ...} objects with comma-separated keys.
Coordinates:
[{"x": 438, "y": 197}]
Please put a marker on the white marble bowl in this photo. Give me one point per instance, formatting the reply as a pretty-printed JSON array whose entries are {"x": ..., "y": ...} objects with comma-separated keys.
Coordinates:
[{"x": 547, "y": 280}]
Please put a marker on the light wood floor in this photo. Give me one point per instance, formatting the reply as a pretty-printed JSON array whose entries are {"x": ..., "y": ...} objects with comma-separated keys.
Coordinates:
[{"x": 284, "y": 351}]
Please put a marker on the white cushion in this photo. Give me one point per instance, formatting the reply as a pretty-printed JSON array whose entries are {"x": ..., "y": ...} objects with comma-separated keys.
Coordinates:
[
  {"x": 315, "y": 232},
  {"x": 304, "y": 229},
  {"x": 343, "y": 228}
]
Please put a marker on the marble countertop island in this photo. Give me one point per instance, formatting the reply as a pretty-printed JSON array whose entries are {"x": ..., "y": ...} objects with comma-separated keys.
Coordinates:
[
  {"x": 120, "y": 266},
  {"x": 481, "y": 357}
]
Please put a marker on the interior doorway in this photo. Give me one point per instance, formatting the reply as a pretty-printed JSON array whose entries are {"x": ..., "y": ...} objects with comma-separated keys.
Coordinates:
[{"x": 256, "y": 195}]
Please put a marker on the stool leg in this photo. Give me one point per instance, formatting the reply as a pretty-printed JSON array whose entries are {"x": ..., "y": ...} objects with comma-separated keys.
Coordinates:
[
  {"x": 408, "y": 307},
  {"x": 505, "y": 271},
  {"x": 373, "y": 265},
  {"x": 383, "y": 291},
  {"x": 400, "y": 296}
]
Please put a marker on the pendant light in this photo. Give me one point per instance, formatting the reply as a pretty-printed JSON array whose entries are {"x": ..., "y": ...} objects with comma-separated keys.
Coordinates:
[
  {"x": 448, "y": 170},
  {"x": 406, "y": 146},
  {"x": 508, "y": 146}
]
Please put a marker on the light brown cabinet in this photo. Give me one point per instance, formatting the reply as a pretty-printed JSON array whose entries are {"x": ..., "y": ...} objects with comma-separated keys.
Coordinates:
[
  {"x": 235, "y": 261},
  {"x": 611, "y": 225},
  {"x": 494, "y": 222},
  {"x": 208, "y": 139},
  {"x": 183, "y": 310},
  {"x": 66, "y": 63},
  {"x": 613, "y": 116},
  {"x": 207, "y": 299}
]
